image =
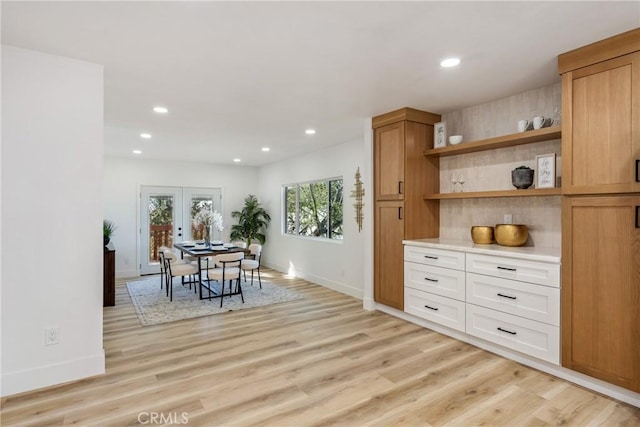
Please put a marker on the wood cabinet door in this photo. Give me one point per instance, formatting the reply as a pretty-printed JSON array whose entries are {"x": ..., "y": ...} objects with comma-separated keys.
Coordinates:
[
  {"x": 388, "y": 253},
  {"x": 601, "y": 287},
  {"x": 388, "y": 161},
  {"x": 601, "y": 127}
]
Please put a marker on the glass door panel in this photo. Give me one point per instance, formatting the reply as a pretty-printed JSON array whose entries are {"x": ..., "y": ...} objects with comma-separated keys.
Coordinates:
[
  {"x": 161, "y": 224},
  {"x": 195, "y": 201}
]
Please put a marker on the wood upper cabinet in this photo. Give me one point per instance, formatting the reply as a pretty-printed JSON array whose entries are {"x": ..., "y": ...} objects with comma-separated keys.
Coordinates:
[
  {"x": 389, "y": 162},
  {"x": 402, "y": 176},
  {"x": 601, "y": 118},
  {"x": 601, "y": 287}
]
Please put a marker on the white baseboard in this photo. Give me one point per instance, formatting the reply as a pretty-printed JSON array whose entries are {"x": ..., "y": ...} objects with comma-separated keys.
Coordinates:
[
  {"x": 591, "y": 383},
  {"x": 48, "y": 375},
  {"x": 319, "y": 280},
  {"x": 368, "y": 304}
]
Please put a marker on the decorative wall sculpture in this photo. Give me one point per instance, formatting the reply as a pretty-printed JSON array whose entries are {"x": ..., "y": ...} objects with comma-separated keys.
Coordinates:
[{"x": 358, "y": 194}]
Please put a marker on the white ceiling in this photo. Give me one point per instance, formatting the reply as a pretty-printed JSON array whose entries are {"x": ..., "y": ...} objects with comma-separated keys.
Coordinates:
[{"x": 237, "y": 76}]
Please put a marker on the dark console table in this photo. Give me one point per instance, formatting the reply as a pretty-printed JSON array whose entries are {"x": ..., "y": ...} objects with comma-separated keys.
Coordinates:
[{"x": 109, "y": 276}]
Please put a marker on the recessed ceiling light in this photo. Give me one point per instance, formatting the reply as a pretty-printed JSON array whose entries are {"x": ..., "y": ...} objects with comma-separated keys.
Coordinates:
[
  {"x": 310, "y": 131},
  {"x": 265, "y": 149},
  {"x": 450, "y": 62},
  {"x": 137, "y": 151},
  {"x": 237, "y": 160},
  {"x": 145, "y": 135},
  {"x": 160, "y": 110}
]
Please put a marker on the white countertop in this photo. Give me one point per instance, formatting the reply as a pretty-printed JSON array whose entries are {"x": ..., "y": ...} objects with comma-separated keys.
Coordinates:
[{"x": 532, "y": 253}]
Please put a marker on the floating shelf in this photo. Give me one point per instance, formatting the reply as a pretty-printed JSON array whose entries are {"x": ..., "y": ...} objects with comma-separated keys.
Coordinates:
[
  {"x": 544, "y": 134},
  {"x": 499, "y": 193}
]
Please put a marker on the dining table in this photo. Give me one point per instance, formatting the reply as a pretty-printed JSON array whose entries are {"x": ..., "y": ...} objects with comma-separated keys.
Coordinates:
[{"x": 205, "y": 250}]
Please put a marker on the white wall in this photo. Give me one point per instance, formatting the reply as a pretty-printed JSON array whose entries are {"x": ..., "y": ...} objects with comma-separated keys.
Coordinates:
[
  {"x": 51, "y": 219},
  {"x": 123, "y": 178},
  {"x": 337, "y": 265}
]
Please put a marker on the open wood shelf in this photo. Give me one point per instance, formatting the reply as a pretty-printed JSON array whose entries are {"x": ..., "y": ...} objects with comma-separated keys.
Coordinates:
[
  {"x": 499, "y": 193},
  {"x": 544, "y": 134}
]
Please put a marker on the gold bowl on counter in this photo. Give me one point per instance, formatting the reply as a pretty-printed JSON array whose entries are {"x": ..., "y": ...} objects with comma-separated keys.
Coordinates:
[
  {"x": 482, "y": 234},
  {"x": 511, "y": 234}
]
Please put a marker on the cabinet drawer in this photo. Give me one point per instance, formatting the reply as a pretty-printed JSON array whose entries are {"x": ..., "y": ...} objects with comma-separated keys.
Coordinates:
[
  {"x": 527, "y": 336},
  {"x": 517, "y": 269},
  {"x": 541, "y": 303},
  {"x": 437, "y": 257},
  {"x": 445, "y": 311},
  {"x": 441, "y": 281}
]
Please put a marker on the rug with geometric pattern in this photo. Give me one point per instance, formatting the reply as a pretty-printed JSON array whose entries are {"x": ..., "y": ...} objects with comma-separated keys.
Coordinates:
[{"x": 153, "y": 305}]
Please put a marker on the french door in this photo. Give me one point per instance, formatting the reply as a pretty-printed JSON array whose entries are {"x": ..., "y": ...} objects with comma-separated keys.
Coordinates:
[{"x": 166, "y": 217}]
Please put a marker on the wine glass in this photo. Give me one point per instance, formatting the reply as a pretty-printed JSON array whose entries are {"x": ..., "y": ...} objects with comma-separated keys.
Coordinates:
[
  {"x": 461, "y": 181},
  {"x": 454, "y": 181}
]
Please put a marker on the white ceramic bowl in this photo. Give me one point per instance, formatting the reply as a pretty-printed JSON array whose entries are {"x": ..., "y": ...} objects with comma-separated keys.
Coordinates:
[{"x": 455, "y": 139}]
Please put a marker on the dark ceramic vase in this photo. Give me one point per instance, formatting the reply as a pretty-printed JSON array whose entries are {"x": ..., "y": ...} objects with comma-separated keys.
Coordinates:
[
  {"x": 522, "y": 178},
  {"x": 106, "y": 240}
]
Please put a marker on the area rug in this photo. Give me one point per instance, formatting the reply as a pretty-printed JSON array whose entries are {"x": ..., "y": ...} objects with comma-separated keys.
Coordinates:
[{"x": 153, "y": 305}]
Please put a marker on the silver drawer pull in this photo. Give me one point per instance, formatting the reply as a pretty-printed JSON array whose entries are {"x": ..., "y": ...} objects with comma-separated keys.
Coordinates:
[
  {"x": 431, "y": 308},
  {"x": 431, "y": 280},
  {"x": 506, "y": 296},
  {"x": 506, "y": 268},
  {"x": 431, "y": 257},
  {"x": 504, "y": 330}
]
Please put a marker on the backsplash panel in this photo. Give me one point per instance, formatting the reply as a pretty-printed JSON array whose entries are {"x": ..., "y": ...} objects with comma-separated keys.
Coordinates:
[
  {"x": 540, "y": 214},
  {"x": 491, "y": 170}
]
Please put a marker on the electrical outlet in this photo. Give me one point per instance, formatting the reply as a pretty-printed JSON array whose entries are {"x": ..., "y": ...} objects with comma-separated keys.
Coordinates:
[
  {"x": 51, "y": 336},
  {"x": 508, "y": 219}
]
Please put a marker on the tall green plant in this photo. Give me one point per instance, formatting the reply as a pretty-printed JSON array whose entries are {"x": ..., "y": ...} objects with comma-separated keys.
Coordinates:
[{"x": 252, "y": 219}]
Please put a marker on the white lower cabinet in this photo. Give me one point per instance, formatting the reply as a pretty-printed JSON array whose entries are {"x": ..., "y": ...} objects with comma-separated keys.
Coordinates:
[
  {"x": 541, "y": 303},
  {"x": 442, "y": 310},
  {"x": 511, "y": 301},
  {"x": 527, "y": 336},
  {"x": 440, "y": 281}
]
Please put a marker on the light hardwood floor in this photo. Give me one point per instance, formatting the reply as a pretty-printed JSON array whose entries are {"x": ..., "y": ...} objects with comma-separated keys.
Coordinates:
[{"x": 322, "y": 360}]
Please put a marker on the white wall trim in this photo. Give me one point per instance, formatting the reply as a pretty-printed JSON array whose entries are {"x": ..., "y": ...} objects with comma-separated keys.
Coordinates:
[
  {"x": 591, "y": 383},
  {"x": 322, "y": 281},
  {"x": 56, "y": 373}
]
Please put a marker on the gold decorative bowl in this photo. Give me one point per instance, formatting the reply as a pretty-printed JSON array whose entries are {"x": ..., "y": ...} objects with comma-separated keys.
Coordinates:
[
  {"x": 482, "y": 234},
  {"x": 511, "y": 234}
]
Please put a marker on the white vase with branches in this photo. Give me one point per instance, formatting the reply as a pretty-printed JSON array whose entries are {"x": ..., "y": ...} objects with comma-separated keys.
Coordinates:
[{"x": 210, "y": 220}]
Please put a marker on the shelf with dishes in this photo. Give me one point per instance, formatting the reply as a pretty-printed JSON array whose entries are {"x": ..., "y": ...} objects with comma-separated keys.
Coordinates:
[
  {"x": 495, "y": 193},
  {"x": 511, "y": 140}
]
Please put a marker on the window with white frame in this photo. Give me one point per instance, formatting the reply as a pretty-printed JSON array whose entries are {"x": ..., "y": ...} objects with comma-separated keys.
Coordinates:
[{"x": 314, "y": 209}]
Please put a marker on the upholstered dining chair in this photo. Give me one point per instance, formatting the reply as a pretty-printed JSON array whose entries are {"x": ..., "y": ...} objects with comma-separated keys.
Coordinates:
[
  {"x": 174, "y": 268},
  {"x": 238, "y": 244},
  {"x": 253, "y": 264},
  {"x": 163, "y": 273},
  {"x": 230, "y": 270}
]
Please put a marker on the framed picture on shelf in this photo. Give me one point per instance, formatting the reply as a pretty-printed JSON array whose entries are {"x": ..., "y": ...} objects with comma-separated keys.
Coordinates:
[
  {"x": 546, "y": 170},
  {"x": 439, "y": 135}
]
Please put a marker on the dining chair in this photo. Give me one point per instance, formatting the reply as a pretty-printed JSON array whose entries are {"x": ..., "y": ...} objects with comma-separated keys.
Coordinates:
[
  {"x": 253, "y": 264},
  {"x": 177, "y": 269},
  {"x": 163, "y": 273},
  {"x": 237, "y": 244},
  {"x": 231, "y": 266}
]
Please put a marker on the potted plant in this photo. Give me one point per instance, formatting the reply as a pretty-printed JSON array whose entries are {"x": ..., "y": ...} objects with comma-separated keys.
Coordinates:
[
  {"x": 522, "y": 177},
  {"x": 252, "y": 219},
  {"x": 108, "y": 228}
]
